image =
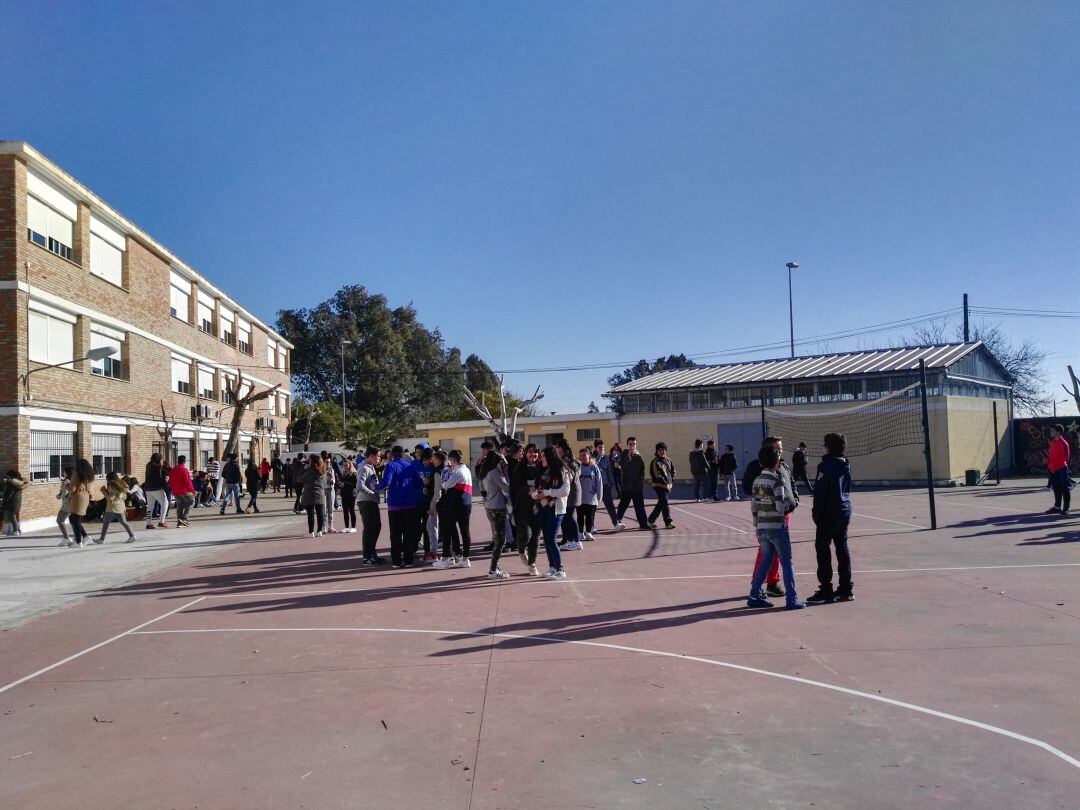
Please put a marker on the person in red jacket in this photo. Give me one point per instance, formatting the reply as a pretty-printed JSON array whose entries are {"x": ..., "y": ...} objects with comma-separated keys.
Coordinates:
[
  {"x": 183, "y": 489},
  {"x": 1057, "y": 464}
]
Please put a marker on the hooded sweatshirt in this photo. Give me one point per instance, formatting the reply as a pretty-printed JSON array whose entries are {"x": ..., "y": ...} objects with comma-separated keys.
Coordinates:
[
  {"x": 457, "y": 486},
  {"x": 404, "y": 484},
  {"x": 591, "y": 483},
  {"x": 832, "y": 491}
]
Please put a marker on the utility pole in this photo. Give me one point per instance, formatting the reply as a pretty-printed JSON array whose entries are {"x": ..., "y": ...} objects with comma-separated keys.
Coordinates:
[
  {"x": 791, "y": 307},
  {"x": 967, "y": 330}
]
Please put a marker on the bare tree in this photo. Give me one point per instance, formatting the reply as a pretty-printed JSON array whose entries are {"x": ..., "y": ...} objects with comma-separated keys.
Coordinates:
[
  {"x": 166, "y": 434},
  {"x": 1075, "y": 392},
  {"x": 503, "y": 430}
]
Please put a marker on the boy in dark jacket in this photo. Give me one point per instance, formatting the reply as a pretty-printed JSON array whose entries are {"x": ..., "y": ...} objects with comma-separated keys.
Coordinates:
[
  {"x": 631, "y": 486},
  {"x": 662, "y": 473},
  {"x": 832, "y": 514},
  {"x": 798, "y": 468}
]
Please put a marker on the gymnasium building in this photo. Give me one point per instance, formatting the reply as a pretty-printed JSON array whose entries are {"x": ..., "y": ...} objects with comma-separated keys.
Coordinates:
[{"x": 871, "y": 396}]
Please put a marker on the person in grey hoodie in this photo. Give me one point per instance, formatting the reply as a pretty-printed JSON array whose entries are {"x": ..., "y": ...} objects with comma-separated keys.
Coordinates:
[
  {"x": 603, "y": 461},
  {"x": 496, "y": 502},
  {"x": 571, "y": 532},
  {"x": 591, "y": 484},
  {"x": 367, "y": 504}
]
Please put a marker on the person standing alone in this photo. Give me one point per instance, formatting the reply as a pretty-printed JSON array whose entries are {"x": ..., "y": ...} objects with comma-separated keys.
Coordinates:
[
  {"x": 832, "y": 514},
  {"x": 798, "y": 468},
  {"x": 1057, "y": 464},
  {"x": 699, "y": 468}
]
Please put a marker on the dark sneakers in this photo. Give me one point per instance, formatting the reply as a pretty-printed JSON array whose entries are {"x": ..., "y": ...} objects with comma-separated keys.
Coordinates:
[
  {"x": 774, "y": 589},
  {"x": 821, "y": 597},
  {"x": 1053, "y": 510},
  {"x": 844, "y": 596}
]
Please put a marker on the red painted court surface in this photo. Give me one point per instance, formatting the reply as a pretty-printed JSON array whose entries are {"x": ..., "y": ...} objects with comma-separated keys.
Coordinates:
[{"x": 276, "y": 674}]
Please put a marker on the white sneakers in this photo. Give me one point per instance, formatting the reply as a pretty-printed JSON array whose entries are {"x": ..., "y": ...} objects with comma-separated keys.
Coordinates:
[
  {"x": 620, "y": 526},
  {"x": 498, "y": 573},
  {"x": 462, "y": 562},
  {"x": 555, "y": 573},
  {"x": 443, "y": 563},
  {"x": 573, "y": 545},
  {"x": 534, "y": 571}
]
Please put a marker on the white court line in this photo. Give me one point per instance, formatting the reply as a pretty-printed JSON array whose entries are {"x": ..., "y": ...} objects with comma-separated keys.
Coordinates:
[
  {"x": 946, "y": 500},
  {"x": 447, "y": 583},
  {"x": 99, "y": 645},
  {"x": 886, "y": 520},
  {"x": 710, "y": 520},
  {"x": 623, "y": 648}
]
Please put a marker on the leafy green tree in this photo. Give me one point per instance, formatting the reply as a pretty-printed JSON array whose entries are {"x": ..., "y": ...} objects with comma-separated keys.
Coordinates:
[{"x": 643, "y": 368}]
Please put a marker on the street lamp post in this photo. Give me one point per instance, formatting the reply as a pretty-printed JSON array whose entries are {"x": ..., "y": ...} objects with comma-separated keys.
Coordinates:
[
  {"x": 1057, "y": 402},
  {"x": 791, "y": 309},
  {"x": 344, "y": 343},
  {"x": 94, "y": 354}
]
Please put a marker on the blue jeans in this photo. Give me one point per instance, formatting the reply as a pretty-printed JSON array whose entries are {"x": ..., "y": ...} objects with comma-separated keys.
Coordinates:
[
  {"x": 231, "y": 491},
  {"x": 549, "y": 525},
  {"x": 774, "y": 542}
]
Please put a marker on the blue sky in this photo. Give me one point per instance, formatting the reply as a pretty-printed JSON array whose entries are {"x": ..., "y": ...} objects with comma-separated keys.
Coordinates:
[{"x": 573, "y": 183}]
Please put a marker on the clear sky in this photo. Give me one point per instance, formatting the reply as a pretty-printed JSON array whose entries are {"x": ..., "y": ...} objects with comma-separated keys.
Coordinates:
[{"x": 570, "y": 183}]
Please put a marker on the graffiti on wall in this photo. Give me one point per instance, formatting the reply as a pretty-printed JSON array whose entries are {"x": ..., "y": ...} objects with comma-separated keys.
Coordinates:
[{"x": 1033, "y": 441}]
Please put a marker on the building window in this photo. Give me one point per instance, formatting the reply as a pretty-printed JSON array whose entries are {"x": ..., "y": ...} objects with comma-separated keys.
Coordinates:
[
  {"x": 112, "y": 366},
  {"x": 243, "y": 332},
  {"x": 227, "y": 395},
  {"x": 588, "y": 434},
  {"x": 206, "y": 452},
  {"x": 206, "y": 383},
  {"x": 49, "y": 228},
  {"x": 51, "y": 451},
  {"x": 271, "y": 353},
  {"x": 107, "y": 247},
  {"x": 108, "y": 453},
  {"x": 52, "y": 338},
  {"x": 228, "y": 333},
  {"x": 281, "y": 358},
  {"x": 206, "y": 314},
  {"x": 179, "y": 296},
  {"x": 181, "y": 370}
]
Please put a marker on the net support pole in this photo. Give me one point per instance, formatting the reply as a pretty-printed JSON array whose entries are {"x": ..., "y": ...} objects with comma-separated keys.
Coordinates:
[
  {"x": 926, "y": 445},
  {"x": 764, "y": 428},
  {"x": 997, "y": 447}
]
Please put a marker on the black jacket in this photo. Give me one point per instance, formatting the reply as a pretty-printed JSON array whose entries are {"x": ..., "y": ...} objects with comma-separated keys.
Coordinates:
[
  {"x": 521, "y": 477},
  {"x": 698, "y": 462},
  {"x": 154, "y": 479},
  {"x": 633, "y": 472},
  {"x": 711, "y": 458},
  {"x": 728, "y": 464},
  {"x": 798, "y": 462},
  {"x": 254, "y": 478},
  {"x": 832, "y": 491},
  {"x": 230, "y": 473}
]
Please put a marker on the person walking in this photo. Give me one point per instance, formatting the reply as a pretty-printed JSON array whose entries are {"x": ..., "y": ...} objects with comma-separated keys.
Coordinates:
[
  {"x": 213, "y": 472},
  {"x": 770, "y": 503},
  {"x": 832, "y": 515},
  {"x": 367, "y": 501},
  {"x": 183, "y": 489},
  {"x": 11, "y": 502},
  {"x": 726, "y": 467},
  {"x": 712, "y": 459},
  {"x": 154, "y": 489},
  {"x": 662, "y": 475},
  {"x": 591, "y": 484},
  {"x": 348, "y": 497},
  {"x": 496, "y": 504},
  {"x": 264, "y": 475},
  {"x": 550, "y": 493},
  {"x": 277, "y": 469},
  {"x": 298, "y": 467},
  {"x": 64, "y": 496},
  {"x": 256, "y": 482},
  {"x": 312, "y": 485},
  {"x": 115, "y": 492},
  {"x": 81, "y": 480},
  {"x": 699, "y": 469},
  {"x": 404, "y": 492},
  {"x": 526, "y": 521},
  {"x": 232, "y": 479},
  {"x": 456, "y": 503},
  {"x": 798, "y": 468},
  {"x": 610, "y": 492},
  {"x": 1057, "y": 464},
  {"x": 631, "y": 486}
]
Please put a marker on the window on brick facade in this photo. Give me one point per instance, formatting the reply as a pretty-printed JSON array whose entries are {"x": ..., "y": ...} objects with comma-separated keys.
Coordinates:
[
  {"x": 107, "y": 453},
  {"x": 206, "y": 314},
  {"x": 206, "y": 383},
  {"x": 243, "y": 336},
  {"x": 271, "y": 352},
  {"x": 281, "y": 358},
  {"x": 227, "y": 383},
  {"x": 52, "y": 338},
  {"x": 181, "y": 371},
  {"x": 107, "y": 247},
  {"x": 112, "y": 366},
  {"x": 588, "y": 434},
  {"x": 49, "y": 228},
  {"x": 228, "y": 330},
  {"x": 51, "y": 451},
  {"x": 179, "y": 296}
]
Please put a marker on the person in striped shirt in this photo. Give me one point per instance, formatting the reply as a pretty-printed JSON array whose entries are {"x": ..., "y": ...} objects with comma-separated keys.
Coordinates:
[{"x": 771, "y": 500}]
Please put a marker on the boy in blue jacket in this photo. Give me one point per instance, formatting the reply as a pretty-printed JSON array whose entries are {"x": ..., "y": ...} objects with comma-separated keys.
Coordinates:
[{"x": 832, "y": 514}]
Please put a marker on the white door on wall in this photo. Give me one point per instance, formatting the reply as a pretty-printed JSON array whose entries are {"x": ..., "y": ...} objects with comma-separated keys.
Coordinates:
[{"x": 745, "y": 437}]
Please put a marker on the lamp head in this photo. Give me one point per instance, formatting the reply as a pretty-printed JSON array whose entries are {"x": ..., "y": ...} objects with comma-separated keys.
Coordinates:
[
  {"x": 791, "y": 265},
  {"x": 101, "y": 353}
]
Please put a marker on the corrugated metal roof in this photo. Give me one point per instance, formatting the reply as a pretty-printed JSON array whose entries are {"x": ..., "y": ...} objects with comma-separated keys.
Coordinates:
[{"x": 876, "y": 361}]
